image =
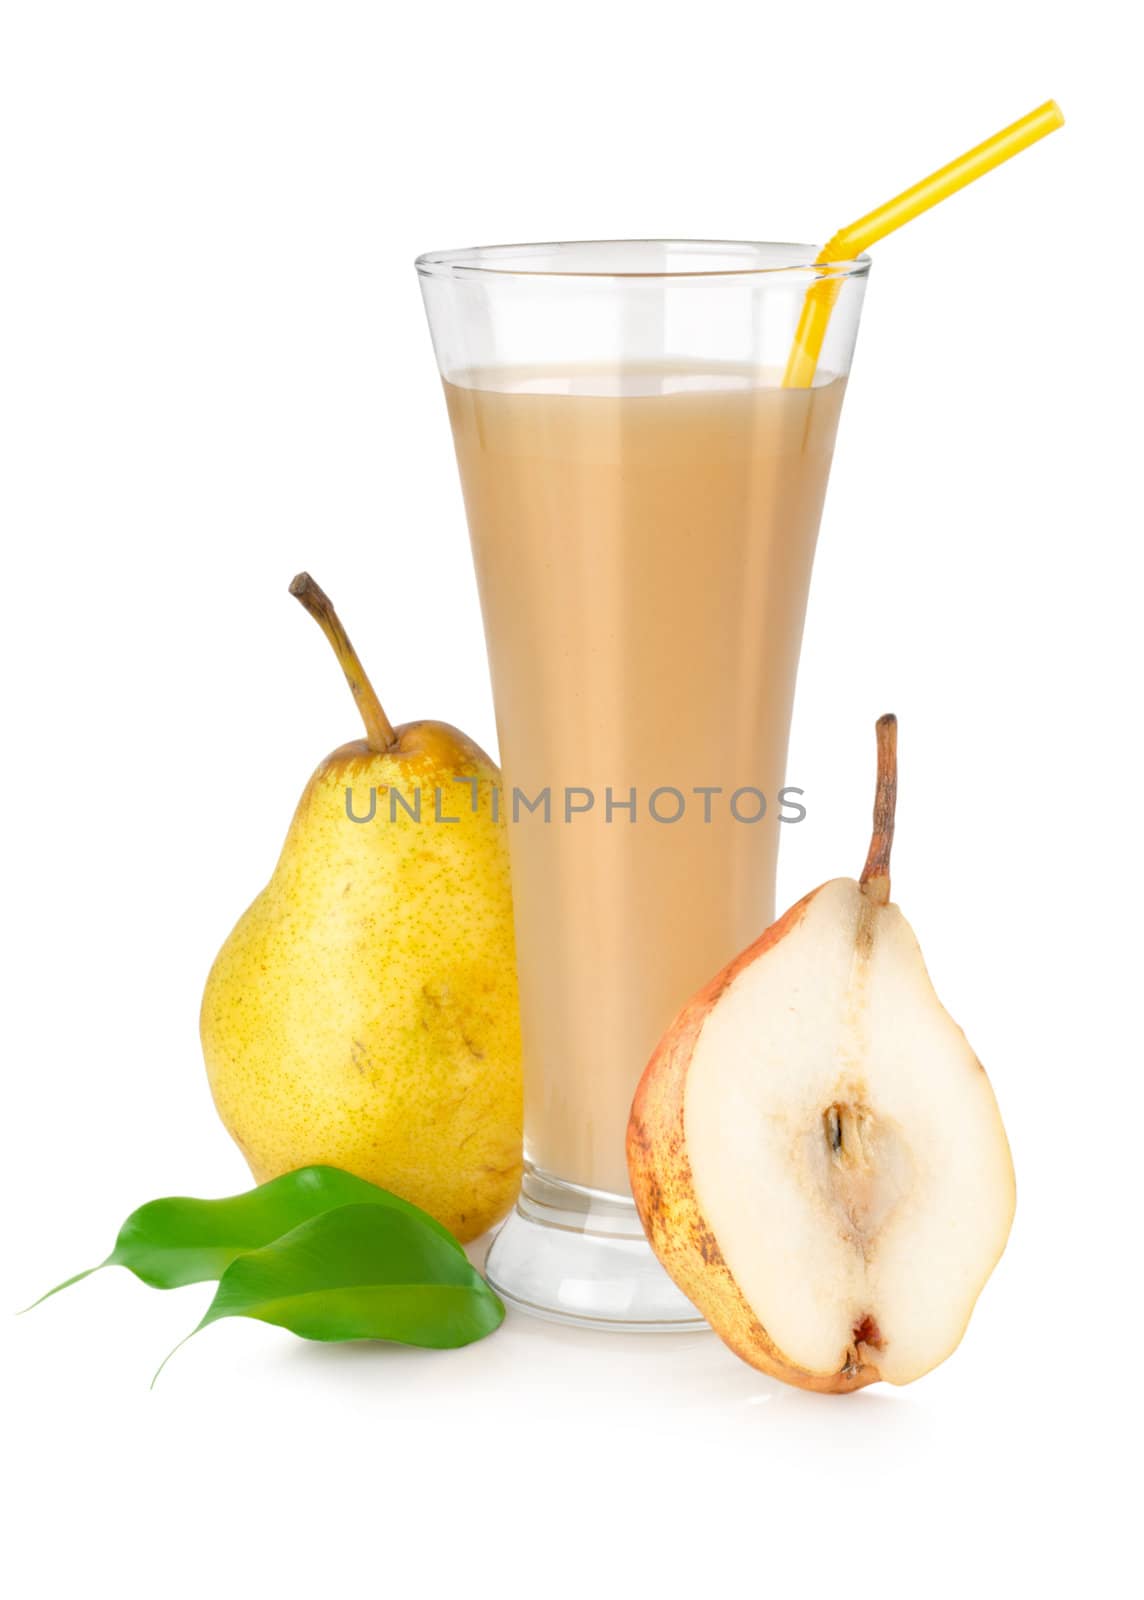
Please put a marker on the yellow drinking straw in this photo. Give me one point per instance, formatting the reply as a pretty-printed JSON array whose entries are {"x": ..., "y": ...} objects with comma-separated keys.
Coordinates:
[{"x": 850, "y": 242}]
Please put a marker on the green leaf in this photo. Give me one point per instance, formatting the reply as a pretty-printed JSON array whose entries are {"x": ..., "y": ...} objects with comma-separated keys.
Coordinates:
[
  {"x": 361, "y": 1272},
  {"x": 168, "y": 1243}
]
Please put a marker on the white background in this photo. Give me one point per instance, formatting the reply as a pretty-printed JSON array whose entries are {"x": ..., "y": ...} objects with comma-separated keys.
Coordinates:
[{"x": 215, "y": 370}]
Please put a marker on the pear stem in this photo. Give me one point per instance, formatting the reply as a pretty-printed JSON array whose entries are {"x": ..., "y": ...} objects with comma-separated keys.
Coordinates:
[
  {"x": 875, "y": 879},
  {"x": 379, "y": 731}
]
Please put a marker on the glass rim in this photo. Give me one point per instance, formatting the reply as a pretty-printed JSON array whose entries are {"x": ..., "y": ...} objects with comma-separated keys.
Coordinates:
[{"x": 489, "y": 261}]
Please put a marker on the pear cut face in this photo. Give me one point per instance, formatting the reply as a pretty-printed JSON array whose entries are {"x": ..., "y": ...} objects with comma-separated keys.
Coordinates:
[{"x": 845, "y": 1147}]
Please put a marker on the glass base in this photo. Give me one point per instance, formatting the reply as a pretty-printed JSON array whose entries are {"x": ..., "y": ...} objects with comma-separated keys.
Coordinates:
[{"x": 580, "y": 1256}]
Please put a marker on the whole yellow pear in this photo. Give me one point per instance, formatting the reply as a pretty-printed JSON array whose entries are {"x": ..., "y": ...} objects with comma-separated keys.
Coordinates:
[{"x": 363, "y": 1013}]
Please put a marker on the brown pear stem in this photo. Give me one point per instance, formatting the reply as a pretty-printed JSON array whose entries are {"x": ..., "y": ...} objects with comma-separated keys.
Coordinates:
[
  {"x": 875, "y": 879},
  {"x": 379, "y": 731}
]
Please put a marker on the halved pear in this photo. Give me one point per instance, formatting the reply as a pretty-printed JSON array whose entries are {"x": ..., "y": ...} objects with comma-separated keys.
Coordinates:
[{"x": 816, "y": 1152}]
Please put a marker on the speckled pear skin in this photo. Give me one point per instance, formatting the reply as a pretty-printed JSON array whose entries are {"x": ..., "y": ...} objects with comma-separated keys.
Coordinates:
[{"x": 363, "y": 1013}]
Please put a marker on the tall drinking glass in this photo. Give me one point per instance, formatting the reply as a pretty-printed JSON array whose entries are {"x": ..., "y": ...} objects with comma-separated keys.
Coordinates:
[{"x": 643, "y": 499}]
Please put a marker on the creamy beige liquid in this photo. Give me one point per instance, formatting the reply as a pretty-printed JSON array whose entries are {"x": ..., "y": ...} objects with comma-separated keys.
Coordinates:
[{"x": 643, "y": 549}]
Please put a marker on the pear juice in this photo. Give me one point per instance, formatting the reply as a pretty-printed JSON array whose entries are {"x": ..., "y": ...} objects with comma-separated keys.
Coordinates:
[{"x": 643, "y": 542}]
